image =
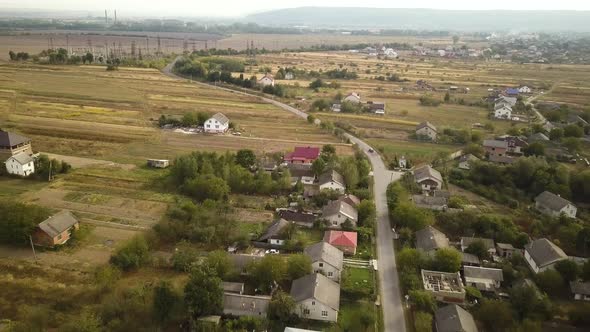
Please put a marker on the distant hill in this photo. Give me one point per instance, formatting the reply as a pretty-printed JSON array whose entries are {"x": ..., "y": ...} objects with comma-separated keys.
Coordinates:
[{"x": 426, "y": 19}]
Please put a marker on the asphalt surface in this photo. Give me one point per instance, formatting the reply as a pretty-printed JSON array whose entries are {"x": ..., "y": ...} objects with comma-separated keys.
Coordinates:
[{"x": 390, "y": 293}]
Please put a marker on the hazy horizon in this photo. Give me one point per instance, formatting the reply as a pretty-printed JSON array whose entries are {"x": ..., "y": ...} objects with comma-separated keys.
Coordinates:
[{"x": 234, "y": 8}]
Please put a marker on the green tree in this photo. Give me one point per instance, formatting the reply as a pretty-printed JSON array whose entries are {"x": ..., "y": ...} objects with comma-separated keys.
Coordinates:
[
  {"x": 495, "y": 315},
  {"x": 410, "y": 259},
  {"x": 422, "y": 321},
  {"x": 478, "y": 248},
  {"x": 318, "y": 166},
  {"x": 422, "y": 300},
  {"x": 367, "y": 213},
  {"x": 349, "y": 170},
  {"x": 556, "y": 134},
  {"x": 206, "y": 187},
  {"x": 447, "y": 97},
  {"x": 550, "y": 281},
  {"x": 534, "y": 149},
  {"x": 569, "y": 270},
  {"x": 316, "y": 84},
  {"x": 281, "y": 307},
  {"x": 220, "y": 262},
  {"x": 573, "y": 131},
  {"x": 298, "y": 265},
  {"x": 246, "y": 158},
  {"x": 132, "y": 255},
  {"x": 105, "y": 277},
  {"x": 203, "y": 293},
  {"x": 528, "y": 302},
  {"x": 19, "y": 220},
  {"x": 164, "y": 300},
  {"x": 270, "y": 269},
  {"x": 408, "y": 215},
  {"x": 447, "y": 260}
]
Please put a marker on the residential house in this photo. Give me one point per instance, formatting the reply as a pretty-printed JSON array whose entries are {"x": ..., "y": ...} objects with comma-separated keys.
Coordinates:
[
  {"x": 326, "y": 259},
  {"x": 12, "y": 144},
  {"x": 511, "y": 92},
  {"x": 402, "y": 162},
  {"x": 430, "y": 239},
  {"x": 233, "y": 287},
  {"x": 218, "y": 123},
  {"x": 242, "y": 261},
  {"x": 554, "y": 205},
  {"x": 289, "y": 75},
  {"x": 488, "y": 243},
  {"x": 483, "y": 278},
  {"x": 336, "y": 213},
  {"x": 158, "y": 163},
  {"x": 275, "y": 233},
  {"x": 494, "y": 147},
  {"x": 350, "y": 199},
  {"x": 466, "y": 160},
  {"x": 505, "y": 250},
  {"x": 336, "y": 108},
  {"x": 345, "y": 241},
  {"x": 377, "y": 107},
  {"x": 304, "y": 219},
  {"x": 453, "y": 318},
  {"x": 502, "y": 102},
  {"x": 332, "y": 180},
  {"x": 430, "y": 202},
  {"x": 55, "y": 230},
  {"x": 502, "y": 112},
  {"x": 245, "y": 305},
  {"x": 516, "y": 145},
  {"x": 426, "y": 130},
  {"x": 302, "y": 155},
  {"x": 316, "y": 297},
  {"x": 353, "y": 97},
  {"x": 428, "y": 178},
  {"x": 267, "y": 80},
  {"x": 542, "y": 254},
  {"x": 538, "y": 137},
  {"x": 580, "y": 290},
  {"x": 510, "y": 100},
  {"x": 21, "y": 164},
  {"x": 445, "y": 287},
  {"x": 469, "y": 260},
  {"x": 524, "y": 89}
]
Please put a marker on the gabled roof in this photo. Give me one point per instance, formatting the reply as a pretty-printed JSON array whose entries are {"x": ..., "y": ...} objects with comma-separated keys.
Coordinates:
[
  {"x": 325, "y": 252},
  {"x": 502, "y": 105},
  {"x": 353, "y": 94},
  {"x": 350, "y": 199},
  {"x": 331, "y": 176},
  {"x": 505, "y": 246},
  {"x": 552, "y": 201},
  {"x": 538, "y": 137},
  {"x": 467, "y": 258},
  {"x": 430, "y": 238},
  {"x": 267, "y": 75},
  {"x": 578, "y": 287},
  {"x": 502, "y": 159},
  {"x": 341, "y": 238},
  {"x": 468, "y": 157},
  {"x": 274, "y": 230},
  {"x": 483, "y": 273},
  {"x": 493, "y": 143},
  {"x": 488, "y": 243},
  {"x": 58, "y": 223},
  {"x": 544, "y": 252},
  {"x": 22, "y": 158},
  {"x": 241, "y": 261},
  {"x": 304, "y": 152},
  {"x": 339, "y": 207},
  {"x": 8, "y": 139},
  {"x": 316, "y": 286},
  {"x": 220, "y": 118},
  {"x": 427, "y": 172},
  {"x": 453, "y": 318},
  {"x": 426, "y": 124},
  {"x": 239, "y": 302}
]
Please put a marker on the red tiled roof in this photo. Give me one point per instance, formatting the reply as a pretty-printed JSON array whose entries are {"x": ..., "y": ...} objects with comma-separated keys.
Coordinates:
[
  {"x": 341, "y": 238},
  {"x": 306, "y": 153}
]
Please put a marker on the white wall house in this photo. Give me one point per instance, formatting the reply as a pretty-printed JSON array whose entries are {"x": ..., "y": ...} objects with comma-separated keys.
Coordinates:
[
  {"x": 542, "y": 254},
  {"x": 326, "y": 259},
  {"x": 218, "y": 123},
  {"x": 353, "y": 98},
  {"x": 503, "y": 112},
  {"x": 554, "y": 205},
  {"x": 267, "y": 80},
  {"x": 524, "y": 89},
  {"x": 21, "y": 164},
  {"x": 332, "y": 180},
  {"x": 316, "y": 297}
]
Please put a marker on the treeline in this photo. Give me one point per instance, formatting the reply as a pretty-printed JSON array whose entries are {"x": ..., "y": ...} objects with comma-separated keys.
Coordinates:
[
  {"x": 19, "y": 220},
  {"x": 523, "y": 180},
  {"x": 189, "y": 119},
  {"x": 203, "y": 175}
]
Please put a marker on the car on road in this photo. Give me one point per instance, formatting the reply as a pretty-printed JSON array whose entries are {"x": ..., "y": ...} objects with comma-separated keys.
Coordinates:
[
  {"x": 371, "y": 150},
  {"x": 272, "y": 251}
]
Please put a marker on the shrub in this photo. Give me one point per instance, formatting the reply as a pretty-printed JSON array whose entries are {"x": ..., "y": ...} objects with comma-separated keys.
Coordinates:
[{"x": 132, "y": 255}]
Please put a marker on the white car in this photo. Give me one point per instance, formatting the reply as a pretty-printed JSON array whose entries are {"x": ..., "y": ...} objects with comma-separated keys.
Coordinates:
[{"x": 272, "y": 251}]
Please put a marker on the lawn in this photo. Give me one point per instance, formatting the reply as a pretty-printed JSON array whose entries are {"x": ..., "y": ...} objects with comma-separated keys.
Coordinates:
[{"x": 417, "y": 152}]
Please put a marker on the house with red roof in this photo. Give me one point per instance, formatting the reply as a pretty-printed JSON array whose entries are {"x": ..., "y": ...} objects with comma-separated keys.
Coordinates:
[
  {"x": 345, "y": 241},
  {"x": 302, "y": 155}
]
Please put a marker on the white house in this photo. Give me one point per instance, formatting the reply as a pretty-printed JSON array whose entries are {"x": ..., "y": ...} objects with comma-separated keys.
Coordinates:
[
  {"x": 426, "y": 130},
  {"x": 316, "y": 297},
  {"x": 21, "y": 164},
  {"x": 289, "y": 75},
  {"x": 337, "y": 213},
  {"x": 428, "y": 178},
  {"x": 554, "y": 205},
  {"x": 326, "y": 259},
  {"x": 218, "y": 123},
  {"x": 502, "y": 111},
  {"x": 267, "y": 80},
  {"x": 524, "y": 89},
  {"x": 580, "y": 290},
  {"x": 332, "y": 180},
  {"x": 353, "y": 97},
  {"x": 542, "y": 254},
  {"x": 390, "y": 53}
]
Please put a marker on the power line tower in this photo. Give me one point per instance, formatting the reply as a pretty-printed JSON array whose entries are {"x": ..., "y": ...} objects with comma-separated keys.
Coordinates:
[
  {"x": 147, "y": 45},
  {"x": 120, "y": 50},
  {"x": 68, "y": 43},
  {"x": 194, "y": 46},
  {"x": 185, "y": 46},
  {"x": 106, "y": 17},
  {"x": 159, "y": 51},
  {"x": 133, "y": 49},
  {"x": 206, "y": 48}
]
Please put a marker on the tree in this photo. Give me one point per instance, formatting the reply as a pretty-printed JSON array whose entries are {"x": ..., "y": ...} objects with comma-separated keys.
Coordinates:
[
  {"x": 246, "y": 158},
  {"x": 447, "y": 97},
  {"x": 572, "y": 144},
  {"x": 410, "y": 259},
  {"x": 206, "y": 187},
  {"x": 573, "y": 130},
  {"x": 556, "y": 134},
  {"x": 220, "y": 262},
  {"x": 203, "y": 293},
  {"x": 19, "y": 220},
  {"x": 422, "y": 321},
  {"x": 447, "y": 260},
  {"x": 105, "y": 277},
  {"x": 422, "y": 300},
  {"x": 535, "y": 149},
  {"x": 585, "y": 273},
  {"x": 478, "y": 248},
  {"x": 311, "y": 118},
  {"x": 569, "y": 270},
  {"x": 328, "y": 152},
  {"x": 318, "y": 166},
  {"x": 281, "y": 307},
  {"x": 367, "y": 213},
  {"x": 408, "y": 215},
  {"x": 316, "y": 84},
  {"x": 349, "y": 170},
  {"x": 164, "y": 300},
  {"x": 268, "y": 270},
  {"x": 298, "y": 265},
  {"x": 12, "y": 55},
  {"x": 132, "y": 255},
  {"x": 550, "y": 281},
  {"x": 527, "y": 301},
  {"x": 495, "y": 315}
]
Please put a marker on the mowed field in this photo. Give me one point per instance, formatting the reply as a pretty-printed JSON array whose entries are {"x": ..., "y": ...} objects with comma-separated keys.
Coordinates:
[{"x": 89, "y": 112}]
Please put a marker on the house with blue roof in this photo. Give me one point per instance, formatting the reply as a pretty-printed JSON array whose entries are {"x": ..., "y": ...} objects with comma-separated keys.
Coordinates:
[{"x": 512, "y": 92}]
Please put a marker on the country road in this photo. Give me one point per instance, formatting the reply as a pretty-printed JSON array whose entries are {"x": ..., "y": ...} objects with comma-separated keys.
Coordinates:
[{"x": 390, "y": 293}]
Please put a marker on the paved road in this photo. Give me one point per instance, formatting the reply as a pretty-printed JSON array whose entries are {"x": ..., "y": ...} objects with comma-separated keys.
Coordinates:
[{"x": 390, "y": 295}]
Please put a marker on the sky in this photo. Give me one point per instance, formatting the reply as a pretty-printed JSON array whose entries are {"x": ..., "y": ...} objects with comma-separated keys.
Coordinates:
[{"x": 232, "y": 8}]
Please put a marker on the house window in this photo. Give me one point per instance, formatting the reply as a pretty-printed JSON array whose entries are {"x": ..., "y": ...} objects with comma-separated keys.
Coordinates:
[
  {"x": 330, "y": 274},
  {"x": 324, "y": 313},
  {"x": 59, "y": 237},
  {"x": 312, "y": 302},
  {"x": 208, "y": 126},
  {"x": 321, "y": 264},
  {"x": 306, "y": 311},
  {"x": 216, "y": 126}
]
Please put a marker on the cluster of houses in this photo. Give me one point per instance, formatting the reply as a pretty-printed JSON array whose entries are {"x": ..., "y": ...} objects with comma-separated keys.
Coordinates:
[
  {"x": 18, "y": 154},
  {"x": 383, "y": 51},
  {"x": 505, "y": 100},
  {"x": 376, "y": 107}
]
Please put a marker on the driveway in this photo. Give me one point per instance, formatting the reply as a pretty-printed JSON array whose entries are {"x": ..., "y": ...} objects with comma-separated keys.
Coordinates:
[{"x": 390, "y": 294}]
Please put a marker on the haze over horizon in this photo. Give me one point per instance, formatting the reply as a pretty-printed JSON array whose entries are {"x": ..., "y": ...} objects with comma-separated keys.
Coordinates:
[{"x": 235, "y": 8}]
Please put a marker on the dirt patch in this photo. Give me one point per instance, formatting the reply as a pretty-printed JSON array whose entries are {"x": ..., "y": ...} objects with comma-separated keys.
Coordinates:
[{"x": 79, "y": 162}]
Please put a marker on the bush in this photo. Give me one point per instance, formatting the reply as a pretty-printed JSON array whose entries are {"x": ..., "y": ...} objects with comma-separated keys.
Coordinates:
[
  {"x": 132, "y": 255},
  {"x": 422, "y": 321}
]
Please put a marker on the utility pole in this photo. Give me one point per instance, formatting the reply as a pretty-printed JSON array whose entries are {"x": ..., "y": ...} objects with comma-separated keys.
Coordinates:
[
  {"x": 33, "y": 247},
  {"x": 133, "y": 49},
  {"x": 49, "y": 179},
  {"x": 159, "y": 46},
  {"x": 147, "y": 45},
  {"x": 68, "y": 43},
  {"x": 106, "y": 17},
  {"x": 115, "y": 16}
]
